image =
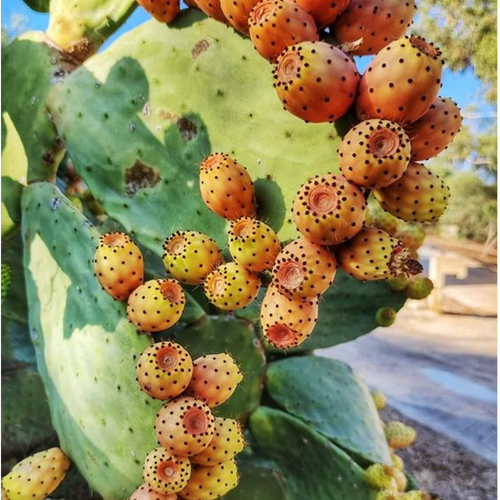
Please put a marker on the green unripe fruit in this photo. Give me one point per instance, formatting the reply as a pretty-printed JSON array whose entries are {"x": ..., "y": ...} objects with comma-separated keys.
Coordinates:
[
  {"x": 386, "y": 316},
  {"x": 419, "y": 288},
  {"x": 6, "y": 279},
  {"x": 398, "y": 283}
]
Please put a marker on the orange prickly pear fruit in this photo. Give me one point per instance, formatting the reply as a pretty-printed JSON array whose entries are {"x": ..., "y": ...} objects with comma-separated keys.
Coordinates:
[
  {"x": 237, "y": 12},
  {"x": 145, "y": 492},
  {"x": 118, "y": 265},
  {"x": 324, "y": 12},
  {"x": 164, "y": 11},
  {"x": 213, "y": 9},
  {"x": 166, "y": 473}
]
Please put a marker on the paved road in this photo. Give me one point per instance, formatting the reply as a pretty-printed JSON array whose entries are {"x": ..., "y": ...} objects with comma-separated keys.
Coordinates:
[{"x": 440, "y": 370}]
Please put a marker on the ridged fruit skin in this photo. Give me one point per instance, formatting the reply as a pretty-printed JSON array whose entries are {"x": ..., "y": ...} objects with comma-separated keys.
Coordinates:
[
  {"x": 375, "y": 153},
  {"x": 401, "y": 82},
  {"x": 237, "y": 12},
  {"x": 184, "y": 426},
  {"x": 433, "y": 133},
  {"x": 276, "y": 24},
  {"x": 156, "y": 305},
  {"x": 253, "y": 244},
  {"x": 171, "y": 480},
  {"x": 189, "y": 256},
  {"x": 118, "y": 265},
  {"x": 215, "y": 378},
  {"x": 164, "y": 11},
  {"x": 369, "y": 25},
  {"x": 226, "y": 187},
  {"x": 37, "y": 476},
  {"x": 164, "y": 370},
  {"x": 419, "y": 288},
  {"x": 286, "y": 323},
  {"x": 209, "y": 483},
  {"x": 329, "y": 210},
  {"x": 418, "y": 196},
  {"x": 368, "y": 255},
  {"x": 227, "y": 442},
  {"x": 399, "y": 435},
  {"x": 385, "y": 316},
  {"x": 304, "y": 270},
  {"x": 145, "y": 492},
  {"x": 381, "y": 477},
  {"x": 379, "y": 400},
  {"x": 231, "y": 287},
  {"x": 324, "y": 12},
  {"x": 213, "y": 9},
  {"x": 315, "y": 81}
]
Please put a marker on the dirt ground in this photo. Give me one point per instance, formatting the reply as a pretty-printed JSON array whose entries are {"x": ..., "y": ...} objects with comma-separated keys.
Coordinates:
[{"x": 444, "y": 468}]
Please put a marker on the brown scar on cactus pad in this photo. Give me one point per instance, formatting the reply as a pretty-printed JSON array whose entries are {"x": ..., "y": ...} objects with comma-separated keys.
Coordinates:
[
  {"x": 374, "y": 153},
  {"x": 166, "y": 473},
  {"x": 118, "y": 265},
  {"x": 164, "y": 11},
  {"x": 315, "y": 81}
]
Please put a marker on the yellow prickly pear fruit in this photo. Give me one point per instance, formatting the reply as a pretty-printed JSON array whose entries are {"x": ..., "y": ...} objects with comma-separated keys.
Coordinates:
[
  {"x": 381, "y": 477},
  {"x": 397, "y": 461},
  {"x": 399, "y": 435},
  {"x": 379, "y": 399},
  {"x": 401, "y": 479},
  {"x": 166, "y": 473},
  {"x": 145, "y": 492},
  {"x": 415, "y": 495},
  {"x": 388, "y": 495}
]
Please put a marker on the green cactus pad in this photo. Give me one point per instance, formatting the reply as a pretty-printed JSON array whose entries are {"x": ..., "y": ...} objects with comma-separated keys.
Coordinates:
[
  {"x": 314, "y": 468},
  {"x": 86, "y": 349},
  {"x": 237, "y": 337},
  {"x": 328, "y": 396},
  {"x": 139, "y": 118}
]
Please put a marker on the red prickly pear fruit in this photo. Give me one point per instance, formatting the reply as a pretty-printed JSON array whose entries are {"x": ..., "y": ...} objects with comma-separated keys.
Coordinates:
[
  {"x": 315, "y": 81},
  {"x": 226, "y": 187},
  {"x": 157, "y": 305},
  {"x": 329, "y": 210},
  {"x": 402, "y": 81},
  {"x": 375, "y": 153},
  {"x": 37, "y": 476},
  {"x": 304, "y": 270},
  {"x": 215, "y": 378},
  {"x": 190, "y": 256},
  {"x": 237, "y": 12},
  {"x": 399, "y": 435},
  {"x": 410, "y": 235},
  {"x": 286, "y": 323},
  {"x": 231, "y": 287},
  {"x": 253, "y": 244},
  {"x": 375, "y": 255},
  {"x": 324, "y": 12},
  {"x": 164, "y": 370},
  {"x": 145, "y": 492},
  {"x": 185, "y": 426},
  {"x": 367, "y": 26},
  {"x": 213, "y": 9},
  {"x": 227, "y": 442},
  {"x": 118, "y": 265},
  {"x": 211, "y": 482},
  {"x": 432, "y": 134},
  {"x": 385, "y": 316},
  {"x": 418, "y": 196},
  {"x": 419, "y": 288},
  {"x": 164, "y": 11},
  {"x": 277, "y": 24},
  {"x": 165, "y": 472}
]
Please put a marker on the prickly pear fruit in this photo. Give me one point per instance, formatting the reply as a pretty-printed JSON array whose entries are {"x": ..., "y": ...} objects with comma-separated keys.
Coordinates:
[
  {"x": 166, "y": 473},
  {"x": 397, "y": 462},
  {"x": 376, "y": 217},
  {"x": 324, "y": 12},
  {"x": 433, "y": 133},
  {"x": 37, "y": 476},
  {"x": 253, "y": 244},
  {"x": 164, "y": 370},
  {"x": 402, "y": 81},
  {"x": 304, "y": 270},
  {"x": 164, "y": 11},
  {"x": 190, "y": 256},
  {"x": 226, "y": 187},
  {"x": 286, "y": 323},
  {"x": 419, "y": 288},
  {"x": 118, "y": 265},
  {"x": 374, "y": 153},
  {"x": 399, "y": 282},
  {"x": 215, "y": 377},
  {"x": 237, "y": 13},
  {"x": 213, "y": 9},
  {"x": 399, "y": 435},
  {"x": 227, "y": 442},
  {"x": 379, "y": 400},
  {"x": 416, "y": 495},
  {"x": 315, "y": 81},
  {"x": 418, "y": 196},
  {"x": 410, "y": 235},
  {"x": 209, "y": 483},
  {"x": 375, "y": 255},
  {"x": 401, "y": 479},
  {"x": 385, "y": 316},
  {"x": 381, "y": 477},
  {"x": 145, "y": 492},
  {"x": 231, "y": 287},
  {"x": 185, "y": 426},
  {"x": 329, "y": 210},
  {"x": 367, "y": 26},
  {"x": 388, "y": 495},
  {"x": 156, "y": 305},
  {"x": 276, "y": 24}
]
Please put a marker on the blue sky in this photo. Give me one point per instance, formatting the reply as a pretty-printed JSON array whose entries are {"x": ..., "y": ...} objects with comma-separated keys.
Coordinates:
[{"x": 463, "y": 87}]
